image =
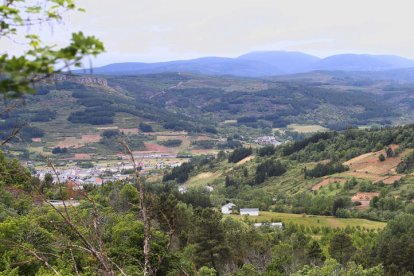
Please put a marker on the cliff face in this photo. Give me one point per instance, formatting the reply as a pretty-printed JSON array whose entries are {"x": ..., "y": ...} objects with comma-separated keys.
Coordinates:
[{"x": 85, "y": 80}]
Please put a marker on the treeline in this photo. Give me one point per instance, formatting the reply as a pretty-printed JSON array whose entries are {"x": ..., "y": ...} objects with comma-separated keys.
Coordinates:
[
  {"x": 239, "y": 154},
  {"x": 322, "y": 169}
]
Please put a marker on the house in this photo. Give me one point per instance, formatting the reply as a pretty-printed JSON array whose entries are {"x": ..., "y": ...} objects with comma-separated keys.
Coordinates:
[
  {"x": 209, "y": 188},
  {"x": 226, "y": 209},
  {"x": 62, "y": 203},
  {"x": 272, "y": 224},
  {"x": 182, "y": 190},
  {"x": 254, "y": 212}
]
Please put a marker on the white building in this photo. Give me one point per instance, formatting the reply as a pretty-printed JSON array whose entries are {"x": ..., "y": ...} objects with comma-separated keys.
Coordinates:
[
  {"x": 61, "y": 203},
  {"x": 209, "y": 188},
  {"x": 226, "y": 209},
  {"x": 182, "y": 190},
  {"x": 254, "y": 212}
]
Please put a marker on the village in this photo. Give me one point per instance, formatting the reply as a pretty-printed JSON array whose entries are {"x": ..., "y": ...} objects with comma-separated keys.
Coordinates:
[{"x": 109, "y": 171}]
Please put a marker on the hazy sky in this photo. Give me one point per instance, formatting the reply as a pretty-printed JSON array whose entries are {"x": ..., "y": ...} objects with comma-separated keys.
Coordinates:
[{"x": 157, "y": 30}]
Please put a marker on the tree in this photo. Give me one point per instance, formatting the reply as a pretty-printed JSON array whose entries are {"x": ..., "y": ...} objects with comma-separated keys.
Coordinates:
[
  {"x": 314, "y": 253},
  {"x": 381, "y": 157},
  {"x": 389, "y": 152},
  {"x": 39, "y": 61},
  {"x": 209, "y": 238},
  {"x": 395, "y": 245},
  {"x": 266, "y": 150},
  {"x": 341, "y": 248},
  {"x": 269, "y": 168},
  {"x": 331, "y": 267},
  {"x": 340, "y": 203},
  {"x": 247, "y": 270},
  {"x": 110, "y": 133},
  {"x": 129, "y": 197},
  {"x": 145, "y": 127}
]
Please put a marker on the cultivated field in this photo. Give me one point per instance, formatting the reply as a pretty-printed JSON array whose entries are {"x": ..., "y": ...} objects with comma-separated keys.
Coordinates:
[{"x": 368, "y": 166}]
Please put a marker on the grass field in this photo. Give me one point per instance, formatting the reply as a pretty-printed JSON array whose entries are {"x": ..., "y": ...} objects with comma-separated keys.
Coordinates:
[{"x": 313, "y": 221}]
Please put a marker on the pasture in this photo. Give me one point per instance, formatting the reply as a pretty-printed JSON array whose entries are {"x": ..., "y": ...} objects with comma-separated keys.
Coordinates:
[{"x": 314, "y": 221}]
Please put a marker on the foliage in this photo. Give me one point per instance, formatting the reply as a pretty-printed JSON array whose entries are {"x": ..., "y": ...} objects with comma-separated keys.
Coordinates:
[
  {"x": 266, "y": 151},
  {"x": 39, "y": 60},
  {"x": 406, "y": 164},
  {"x": 341, "y": 248},
  {"x": 269, "y": 168},
  {"x": 396, "y": 245}
]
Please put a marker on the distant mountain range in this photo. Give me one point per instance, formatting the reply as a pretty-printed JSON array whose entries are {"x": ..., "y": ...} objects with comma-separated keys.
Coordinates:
[{"x": 261, "y": 64}]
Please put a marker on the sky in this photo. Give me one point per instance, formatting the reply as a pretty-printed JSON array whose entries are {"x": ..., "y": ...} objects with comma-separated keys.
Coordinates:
[{"x": 160, "y": 30}]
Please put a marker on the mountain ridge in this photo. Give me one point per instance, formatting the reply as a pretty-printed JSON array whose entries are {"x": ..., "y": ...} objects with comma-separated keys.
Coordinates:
[{"x": 260, "y": 64}]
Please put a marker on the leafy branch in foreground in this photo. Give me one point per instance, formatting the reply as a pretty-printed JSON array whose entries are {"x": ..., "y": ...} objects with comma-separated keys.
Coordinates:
[{"x": 18, "y": 74}]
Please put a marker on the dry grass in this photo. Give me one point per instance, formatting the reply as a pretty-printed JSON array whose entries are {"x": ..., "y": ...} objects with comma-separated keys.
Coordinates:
[
  {"x": 82, "y": 156},
  {"x": 306, "y": 128},
  {"x": 151, "y": 147},
  {"x": 247, "y": 159},
  {"x": 203, "y": 179},
  {"x": 74, "y": 142},
  {"x": 129, "y": 130}
]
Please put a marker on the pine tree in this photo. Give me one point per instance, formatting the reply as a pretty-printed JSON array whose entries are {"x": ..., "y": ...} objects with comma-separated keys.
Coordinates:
[
  {"x": 209, "y": 238},
  {"x": 314, "y": 253},
  {"x": 341, "y": 248}
]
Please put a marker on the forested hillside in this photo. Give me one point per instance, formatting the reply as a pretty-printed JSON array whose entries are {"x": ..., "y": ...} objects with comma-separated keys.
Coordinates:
[
  {"x": 105, "y": 230},
  {"x": 201, "y": 104}
]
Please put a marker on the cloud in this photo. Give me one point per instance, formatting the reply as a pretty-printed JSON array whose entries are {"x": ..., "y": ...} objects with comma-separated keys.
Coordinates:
[{"x": 136, "y": 30}]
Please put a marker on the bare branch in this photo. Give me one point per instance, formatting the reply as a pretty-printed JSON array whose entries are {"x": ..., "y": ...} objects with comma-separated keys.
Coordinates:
[
  {"x": 14, "y": 133},
  {"x": 144, "y": 210}
]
